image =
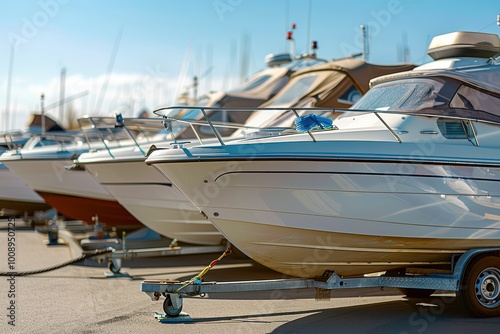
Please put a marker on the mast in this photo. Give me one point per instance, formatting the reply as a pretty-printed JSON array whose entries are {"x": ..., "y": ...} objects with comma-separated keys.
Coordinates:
[
  {"x": 366, "y": 45},
  {"x": 61, "y": 95},
  {"x": 42, "y": 113},
  {"x": 9, "y": 86}
]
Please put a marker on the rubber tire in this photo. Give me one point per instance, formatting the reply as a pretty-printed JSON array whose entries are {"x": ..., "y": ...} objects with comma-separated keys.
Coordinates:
[
  {"x": 113, "y": 269},
  {"x": 416, "y": 293},
  {"x": 466, "y": 296},
  {"x": 168, "y": 308}
]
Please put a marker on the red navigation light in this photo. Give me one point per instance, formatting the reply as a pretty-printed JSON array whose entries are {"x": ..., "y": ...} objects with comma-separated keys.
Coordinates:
[
  {"x": 289, "y": 35},
  {"x": 314, "y": 45},
  {"x": 294, "y": 26}
]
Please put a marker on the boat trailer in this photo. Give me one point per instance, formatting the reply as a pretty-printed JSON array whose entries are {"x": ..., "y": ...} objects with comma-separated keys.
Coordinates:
[
  {"x": 116, "y": 257},
  {"x": 487, "y": 291}
]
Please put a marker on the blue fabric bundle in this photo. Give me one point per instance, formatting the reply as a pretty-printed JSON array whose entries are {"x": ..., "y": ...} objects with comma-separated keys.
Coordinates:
[{"x": 313, "y": 122}]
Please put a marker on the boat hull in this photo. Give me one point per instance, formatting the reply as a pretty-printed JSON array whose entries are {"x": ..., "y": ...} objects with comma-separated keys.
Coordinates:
[
  {"x": 310, "y": 253},
  {"x": 303, "y": 217},
  {"x": 155, "y": 202},
  {"x": 16, "y": 197},
  {"x": 110, "y": 213},
  {"x": 73, "y": 193}
]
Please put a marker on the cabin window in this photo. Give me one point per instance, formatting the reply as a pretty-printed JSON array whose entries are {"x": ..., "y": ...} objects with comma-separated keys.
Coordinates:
[
  {"x": 400, "y": 95},
  {"x": 279, "y": 85},
  {"x": 469, "y": 98},
  {"x": 295, "y": 90}
]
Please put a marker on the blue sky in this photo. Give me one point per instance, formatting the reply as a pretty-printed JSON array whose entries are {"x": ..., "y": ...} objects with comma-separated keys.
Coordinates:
[{"x": 164, "y": 43}]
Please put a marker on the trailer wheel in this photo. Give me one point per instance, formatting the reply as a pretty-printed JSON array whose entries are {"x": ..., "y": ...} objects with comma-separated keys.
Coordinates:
[
  {"x": 113, "y": 268},
  {"x": 416, "y": 293},
  {"x": 480, "y": 289},
  {"x": 169, "y": 308}
]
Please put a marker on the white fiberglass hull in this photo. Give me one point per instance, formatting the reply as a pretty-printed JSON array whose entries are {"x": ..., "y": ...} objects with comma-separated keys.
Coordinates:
[
  {"x": 53, "y": 176},
  {"x": 16, "y": 195},
  {"x": 305, "y": 217},
  {"x": 154, "y": 201},
  {"x": 74, "y": 193}
]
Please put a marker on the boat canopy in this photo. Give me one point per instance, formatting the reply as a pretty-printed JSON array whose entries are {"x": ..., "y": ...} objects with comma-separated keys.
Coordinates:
[
  {"x": 485, "y": 77},
  {"x": 336, "y": 84},
  {"x": 340, "y": 82},
  {"x": 262, "y": 86},
  {"x": 445, "y": 93},
  {"x": 463, "y": 82},
  {"x": 35, "y": 123}
]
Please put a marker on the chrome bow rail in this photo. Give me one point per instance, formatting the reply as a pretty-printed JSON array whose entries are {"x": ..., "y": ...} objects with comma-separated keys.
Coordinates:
[
  {"x": 467, "y": 119},
  {"x": 117, "y": 129},
  {"x": 214, "y": 125}
]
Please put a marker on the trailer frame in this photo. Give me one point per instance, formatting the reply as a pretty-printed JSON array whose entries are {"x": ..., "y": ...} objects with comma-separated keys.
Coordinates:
[{"x": 174, "y": 291}]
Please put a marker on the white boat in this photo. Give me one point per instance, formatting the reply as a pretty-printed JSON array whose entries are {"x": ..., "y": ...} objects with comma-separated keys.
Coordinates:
[
  {"x": 73, "y": 193},
  {"x": 16, "y": 198},
  {"x": 162, "y": 207},
  {"x": 404, "y": 181},
  {"x": 148, "y": 196}
]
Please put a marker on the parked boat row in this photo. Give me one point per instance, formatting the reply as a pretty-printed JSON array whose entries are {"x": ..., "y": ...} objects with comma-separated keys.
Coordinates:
[
  {"x": 129, "y": 193},
  {"x": 351, "y": 168}
]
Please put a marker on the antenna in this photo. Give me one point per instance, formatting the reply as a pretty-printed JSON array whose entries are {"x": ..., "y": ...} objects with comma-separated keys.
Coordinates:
[
  {"x": 9, "y": 86},
  {"x": 287, "y": 9},
  {"x": 405, "y": 50},
  {"x": 61, "y": 94},
  {"x": 289, "y": 36},
  {"x": 245, "y": 50},
  {"x": 308, "y": 24},
  {"x": 366, "y": 45},
  {"x": 195, "y": 89},
  {"x": 209, "y": 64},
  {"x": 14, "y": 113},
  {"x": 42, "y": 113}
]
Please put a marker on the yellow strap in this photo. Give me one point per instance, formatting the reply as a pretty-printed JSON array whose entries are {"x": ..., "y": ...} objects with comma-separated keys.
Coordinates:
[{"x": 206, "y": 270}]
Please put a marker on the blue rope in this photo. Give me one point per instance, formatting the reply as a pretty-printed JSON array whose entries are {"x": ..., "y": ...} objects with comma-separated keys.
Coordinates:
[{"x": 313, "y": 122}]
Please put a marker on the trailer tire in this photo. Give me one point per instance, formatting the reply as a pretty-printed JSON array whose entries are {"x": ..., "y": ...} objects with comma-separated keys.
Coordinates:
[
  {"x": 480, "y": 288},
  {"x": 169, "y": 308},
  {"x": 416, "y": 293},
  {"x": 115, "y": 270}
]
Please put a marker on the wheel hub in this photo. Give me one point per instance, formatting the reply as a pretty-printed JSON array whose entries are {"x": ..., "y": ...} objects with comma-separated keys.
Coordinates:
[{"x": 487, "y": 287}]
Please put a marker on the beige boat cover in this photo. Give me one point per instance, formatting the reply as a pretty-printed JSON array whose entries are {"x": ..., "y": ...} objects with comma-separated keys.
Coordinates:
[
  {"x": 339, "y": 75},
  {"x": 35, "y": 121}
]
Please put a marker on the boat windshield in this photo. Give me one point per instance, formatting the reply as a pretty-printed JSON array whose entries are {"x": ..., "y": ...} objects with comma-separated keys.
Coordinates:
[
  {"x": 295, "y": 91},
  {"x": 411, "y": 94},
  {"x": 252, "y": 84}
]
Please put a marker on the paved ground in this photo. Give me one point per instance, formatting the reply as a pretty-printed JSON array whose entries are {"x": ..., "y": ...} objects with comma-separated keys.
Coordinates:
[{"x": 78, "y": 299}]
